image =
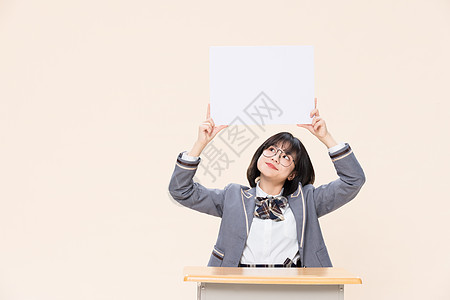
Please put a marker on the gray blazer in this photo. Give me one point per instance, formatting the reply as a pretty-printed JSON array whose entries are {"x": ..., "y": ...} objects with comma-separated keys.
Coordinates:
[{"x": 235, "y": 204}]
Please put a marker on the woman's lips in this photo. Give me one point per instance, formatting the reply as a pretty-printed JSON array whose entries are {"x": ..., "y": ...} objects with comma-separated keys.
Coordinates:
[{"x": 271, "y": 166}]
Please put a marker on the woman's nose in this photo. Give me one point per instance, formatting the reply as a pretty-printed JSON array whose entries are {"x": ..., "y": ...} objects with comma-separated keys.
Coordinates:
[{"x": 276, "y": 157}]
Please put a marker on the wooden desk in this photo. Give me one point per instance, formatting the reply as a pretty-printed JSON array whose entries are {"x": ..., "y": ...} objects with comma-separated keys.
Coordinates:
[{"x": 269, "y": 283}]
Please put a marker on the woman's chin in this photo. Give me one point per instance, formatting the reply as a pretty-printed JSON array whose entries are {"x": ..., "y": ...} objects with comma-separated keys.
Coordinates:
[{"x": 268, "y": 176}]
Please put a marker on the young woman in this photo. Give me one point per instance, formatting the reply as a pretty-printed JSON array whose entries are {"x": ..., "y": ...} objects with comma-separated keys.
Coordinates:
[{"x": 274, "y": 222}]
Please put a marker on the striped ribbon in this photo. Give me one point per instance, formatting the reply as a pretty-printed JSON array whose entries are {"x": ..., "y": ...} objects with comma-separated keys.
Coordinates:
[{"x": 270, "y": 207}]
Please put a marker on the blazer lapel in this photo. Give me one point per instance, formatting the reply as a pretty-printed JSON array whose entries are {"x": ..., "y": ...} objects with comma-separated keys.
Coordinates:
[
  {"x": 295, "y": 202},
  {"x": 248, "y": 203}
]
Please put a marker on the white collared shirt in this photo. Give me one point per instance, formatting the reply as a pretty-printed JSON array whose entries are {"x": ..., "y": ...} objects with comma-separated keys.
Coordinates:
[{"x": 269, "y": 241}]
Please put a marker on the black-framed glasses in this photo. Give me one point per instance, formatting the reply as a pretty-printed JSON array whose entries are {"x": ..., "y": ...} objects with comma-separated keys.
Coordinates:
[{"x": 285, "y": 159}]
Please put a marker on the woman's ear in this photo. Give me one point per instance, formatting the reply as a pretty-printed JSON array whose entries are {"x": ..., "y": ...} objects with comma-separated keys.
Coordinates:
[{"x": 291, "y": 176}]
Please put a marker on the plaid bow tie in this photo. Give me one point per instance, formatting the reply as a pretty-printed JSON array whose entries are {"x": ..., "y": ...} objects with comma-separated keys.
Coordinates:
[{"x": 270, "y": 207}]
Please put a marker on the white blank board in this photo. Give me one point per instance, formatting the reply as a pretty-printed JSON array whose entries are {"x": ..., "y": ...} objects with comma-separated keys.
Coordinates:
[{"x": 261, "y": 84}]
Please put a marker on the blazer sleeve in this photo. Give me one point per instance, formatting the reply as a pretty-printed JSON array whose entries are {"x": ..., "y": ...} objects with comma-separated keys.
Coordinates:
[
  {"x": 192, "y": 194},
  {"x": 331, "y": 196}
]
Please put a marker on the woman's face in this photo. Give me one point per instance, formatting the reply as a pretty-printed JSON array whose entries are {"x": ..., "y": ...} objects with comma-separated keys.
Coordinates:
[{"x": 274, "y": 168}]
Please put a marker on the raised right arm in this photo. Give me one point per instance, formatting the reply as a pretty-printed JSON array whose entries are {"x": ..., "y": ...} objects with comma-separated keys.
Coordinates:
[
  {"x": 192, "y": 194},
  {"x": 182, "y": 187}
]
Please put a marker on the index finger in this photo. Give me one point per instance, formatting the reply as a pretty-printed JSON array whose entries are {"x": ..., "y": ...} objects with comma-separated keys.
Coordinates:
[
  {"x": 208, "y": 112},
  {"x": 315, "y": 102}
]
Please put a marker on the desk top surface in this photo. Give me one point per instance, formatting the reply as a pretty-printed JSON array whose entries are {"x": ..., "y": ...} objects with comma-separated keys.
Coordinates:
[{"x": 270, "y": 275}]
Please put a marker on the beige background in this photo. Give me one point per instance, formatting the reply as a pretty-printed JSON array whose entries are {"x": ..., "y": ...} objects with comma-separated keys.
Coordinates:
[{"x": 97, "y": 98}]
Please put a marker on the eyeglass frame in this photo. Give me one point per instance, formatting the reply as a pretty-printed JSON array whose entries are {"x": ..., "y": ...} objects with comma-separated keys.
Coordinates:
[{"x": 279, "y": 149}]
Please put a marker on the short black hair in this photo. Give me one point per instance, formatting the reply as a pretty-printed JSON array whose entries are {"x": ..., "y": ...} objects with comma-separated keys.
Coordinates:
[{"x": 304, "y": 171}]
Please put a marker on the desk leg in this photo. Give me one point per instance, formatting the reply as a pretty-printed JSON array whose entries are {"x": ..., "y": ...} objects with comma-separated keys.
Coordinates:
[{"x": 227, "y": 291}]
